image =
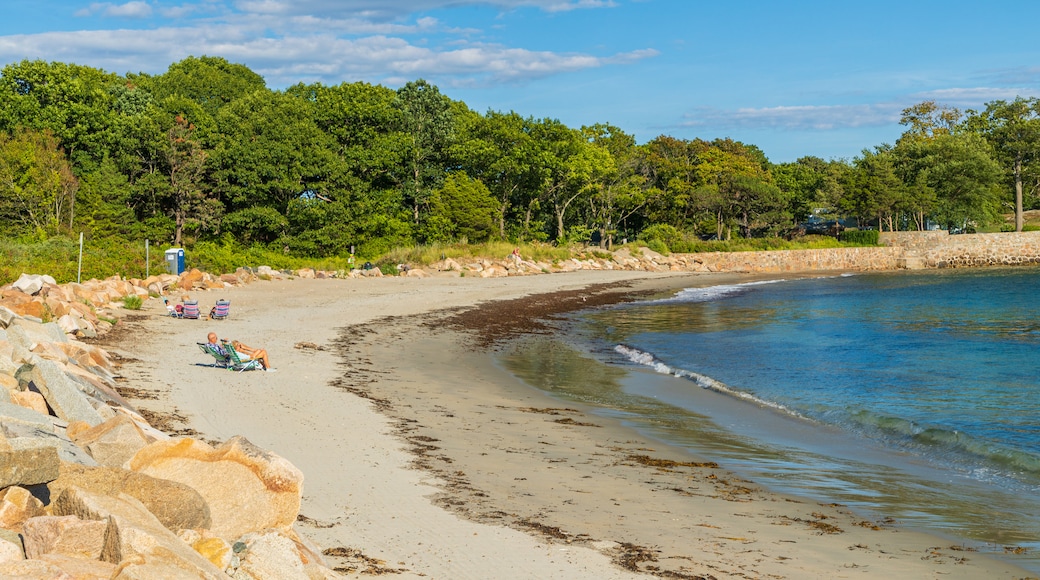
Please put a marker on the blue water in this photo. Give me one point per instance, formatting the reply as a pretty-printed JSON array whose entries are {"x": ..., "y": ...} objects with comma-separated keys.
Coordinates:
[{"x": 906, "y": 395}]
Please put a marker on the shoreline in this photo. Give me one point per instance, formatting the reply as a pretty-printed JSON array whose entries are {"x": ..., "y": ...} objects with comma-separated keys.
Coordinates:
[{"x": 584, "y": 495}]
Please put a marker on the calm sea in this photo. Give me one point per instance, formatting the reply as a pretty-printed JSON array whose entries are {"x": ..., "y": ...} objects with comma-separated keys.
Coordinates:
[{"x": 908, "y": 395}]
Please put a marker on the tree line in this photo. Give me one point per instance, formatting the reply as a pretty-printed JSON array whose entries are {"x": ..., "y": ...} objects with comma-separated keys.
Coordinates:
[{"x": 206, "y": 151}]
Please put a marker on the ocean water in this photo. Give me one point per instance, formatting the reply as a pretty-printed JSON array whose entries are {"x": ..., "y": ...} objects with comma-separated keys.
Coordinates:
[{"x": 912, "y": 395}]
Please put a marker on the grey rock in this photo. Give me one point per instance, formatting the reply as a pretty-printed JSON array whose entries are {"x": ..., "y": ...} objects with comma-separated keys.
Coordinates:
[
  {"x": 7, "y": 316},
  {"x": 61, "y": 392}
]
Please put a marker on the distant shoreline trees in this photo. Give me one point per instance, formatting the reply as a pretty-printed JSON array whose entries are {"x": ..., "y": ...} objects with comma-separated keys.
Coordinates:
[{"x": 206, "y": 152}]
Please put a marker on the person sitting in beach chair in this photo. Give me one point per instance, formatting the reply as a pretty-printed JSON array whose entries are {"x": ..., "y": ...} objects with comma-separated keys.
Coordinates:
[
  {"x": 221, "y": 310},
  {"x": 191, "y": 309},
  {"x": 237, "y": 350},
  {"x": 174, "y": 311},
  {"x": 225, "y": 360}
]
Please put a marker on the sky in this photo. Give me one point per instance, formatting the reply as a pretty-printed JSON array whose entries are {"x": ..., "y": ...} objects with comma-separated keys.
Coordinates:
[{"x": 824, "y": 78}]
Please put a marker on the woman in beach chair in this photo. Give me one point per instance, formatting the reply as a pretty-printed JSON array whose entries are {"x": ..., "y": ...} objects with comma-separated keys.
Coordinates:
[{"x": 237, "y": 352}]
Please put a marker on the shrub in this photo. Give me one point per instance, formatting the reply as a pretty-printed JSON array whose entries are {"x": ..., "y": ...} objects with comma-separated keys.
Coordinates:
[
  {"x": 658, "y": 245},
  {"x": 860, "y": 237},
  {"x": 132, "y": 302}
]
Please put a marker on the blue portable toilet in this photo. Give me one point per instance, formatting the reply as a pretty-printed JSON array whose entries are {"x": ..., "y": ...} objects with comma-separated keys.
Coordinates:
[{"x": 175, "y": 260}]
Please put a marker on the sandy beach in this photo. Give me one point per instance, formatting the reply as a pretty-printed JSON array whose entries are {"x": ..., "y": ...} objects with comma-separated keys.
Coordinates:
[{"x": 424, "y": 459}]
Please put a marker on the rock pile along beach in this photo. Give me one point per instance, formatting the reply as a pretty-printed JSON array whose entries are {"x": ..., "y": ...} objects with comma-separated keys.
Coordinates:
[{"x": 388, "y": 442}]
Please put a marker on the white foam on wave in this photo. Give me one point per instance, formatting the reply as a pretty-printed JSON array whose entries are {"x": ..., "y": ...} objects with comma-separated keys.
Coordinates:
[
  {"x": 710, "y": 293},
  {"x": 704, "y": 381}
]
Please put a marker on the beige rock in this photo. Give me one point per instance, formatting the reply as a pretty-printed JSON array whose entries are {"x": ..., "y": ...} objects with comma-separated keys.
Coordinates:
[
  {"x": 16, "y": 506},
  {"x": 190, "y": 278},
  {"x": 175, "y": 505},
  {"x": 215, "y": 549},
  {"x": 30, "y": 400},
  {"x": 268, "y": 554},
  {"x": 11, "y": 549},
  {"x": 247, "y": 488},
  {"x": 81, "y": 568},
  {"x": 135, "y": 539},
  {"x": 111, "y": 443},
  {"x": 8, "y": 382},
  {"x": 67, "y": 535},
  {"x": 305, "y": 273},
  {"x": 32, "y": 570}
]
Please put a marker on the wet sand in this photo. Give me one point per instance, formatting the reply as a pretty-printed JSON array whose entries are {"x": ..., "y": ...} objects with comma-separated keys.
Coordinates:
[{"x": 422, "y": 458}]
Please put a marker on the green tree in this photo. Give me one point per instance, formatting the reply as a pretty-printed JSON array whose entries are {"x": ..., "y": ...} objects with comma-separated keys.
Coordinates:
[
  {"x": 269, "y": 151},
  {"x": 623, "y": 188},
  {"x": 1013, "y": 129},
  {"x": 499, "y": 150},
  {"x": 185, "y": 159},
  {"x": 210, "y": 81},
  {"x": 37, "y": 187},
  {"x": 873, "y": 190},
  {"x": 462, "y": 208},
  {"x": 426, "y": 118},
  {"x": 964, "y": 177},
  {"x": 73, "y": 102}
]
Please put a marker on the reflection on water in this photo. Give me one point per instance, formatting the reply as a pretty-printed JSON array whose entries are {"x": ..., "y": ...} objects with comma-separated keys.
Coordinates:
[{"x": 799, "y": 457}]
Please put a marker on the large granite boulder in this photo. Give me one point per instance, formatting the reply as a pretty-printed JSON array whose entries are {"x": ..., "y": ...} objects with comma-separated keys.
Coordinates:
[
  {"x": 113, "y": 442},
  {"x": 176, "y": 505},
  {"x": 32, "y": 464},
  {"x": 63, "y": 396},
  {"x": 248, "y": 489},
  {"x": 67, "y": 535},
  {"x": 17, "y": 506},
  {"x": 135, "y": 539}
]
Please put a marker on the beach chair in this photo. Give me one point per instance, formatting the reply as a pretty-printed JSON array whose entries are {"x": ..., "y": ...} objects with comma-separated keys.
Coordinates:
[
  {"x": 221, "y": 310},
  {"x": 237, "y": 360},
  {"x": 191, "y": 309},
  {"x": 230, "y": 361}
]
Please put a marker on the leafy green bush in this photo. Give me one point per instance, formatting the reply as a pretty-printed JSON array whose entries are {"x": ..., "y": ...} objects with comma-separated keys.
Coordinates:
[
  {"x": 658, "y": 245},
  {"x": 132, "y": 302},
  {"x": 860, "y": 237}
]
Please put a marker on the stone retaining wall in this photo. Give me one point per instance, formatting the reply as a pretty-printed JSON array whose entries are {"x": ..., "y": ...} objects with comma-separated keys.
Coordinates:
[{"x": 899, "y": 250}]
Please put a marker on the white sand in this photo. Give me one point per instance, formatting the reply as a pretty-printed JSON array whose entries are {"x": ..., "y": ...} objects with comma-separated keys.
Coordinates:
[{"x": 491, "y": 457}]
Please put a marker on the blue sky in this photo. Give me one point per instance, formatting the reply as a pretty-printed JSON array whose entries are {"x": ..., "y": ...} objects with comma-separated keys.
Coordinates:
[{"x": 823, "y": 78}]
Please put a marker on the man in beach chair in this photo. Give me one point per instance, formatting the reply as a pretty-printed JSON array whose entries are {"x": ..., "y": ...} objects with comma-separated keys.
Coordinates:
[
  {"x": 226, "y": 361},
  {"x": 221, "y": 310},
  {"x": 237, "y": 353}
]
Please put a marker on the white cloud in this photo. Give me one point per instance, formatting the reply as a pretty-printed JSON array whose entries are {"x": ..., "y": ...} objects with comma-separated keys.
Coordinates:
[
  {"x": 972, "y": 97},
  {"x": 327, "y": 57},
  {"x": 384, "y": 10},
  {"x": 811, "y": 117},
  {"x": 135, "y": 9},
  {"x": 833, "y": 117}
]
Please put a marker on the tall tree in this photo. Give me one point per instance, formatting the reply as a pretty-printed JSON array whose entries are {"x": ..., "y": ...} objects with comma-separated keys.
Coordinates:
[
  {"x": 427, "y": 119},
  {"x": 499, "y": 150},
  {"x": 873, "y": 190},
  {"x": 623, "y": 189},
  {"x": 185, "y": 159},
  {"x": 210, "y": 81},
  {"x": 37, "y": 187},
  {"x": 1014, "y": 131}
]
